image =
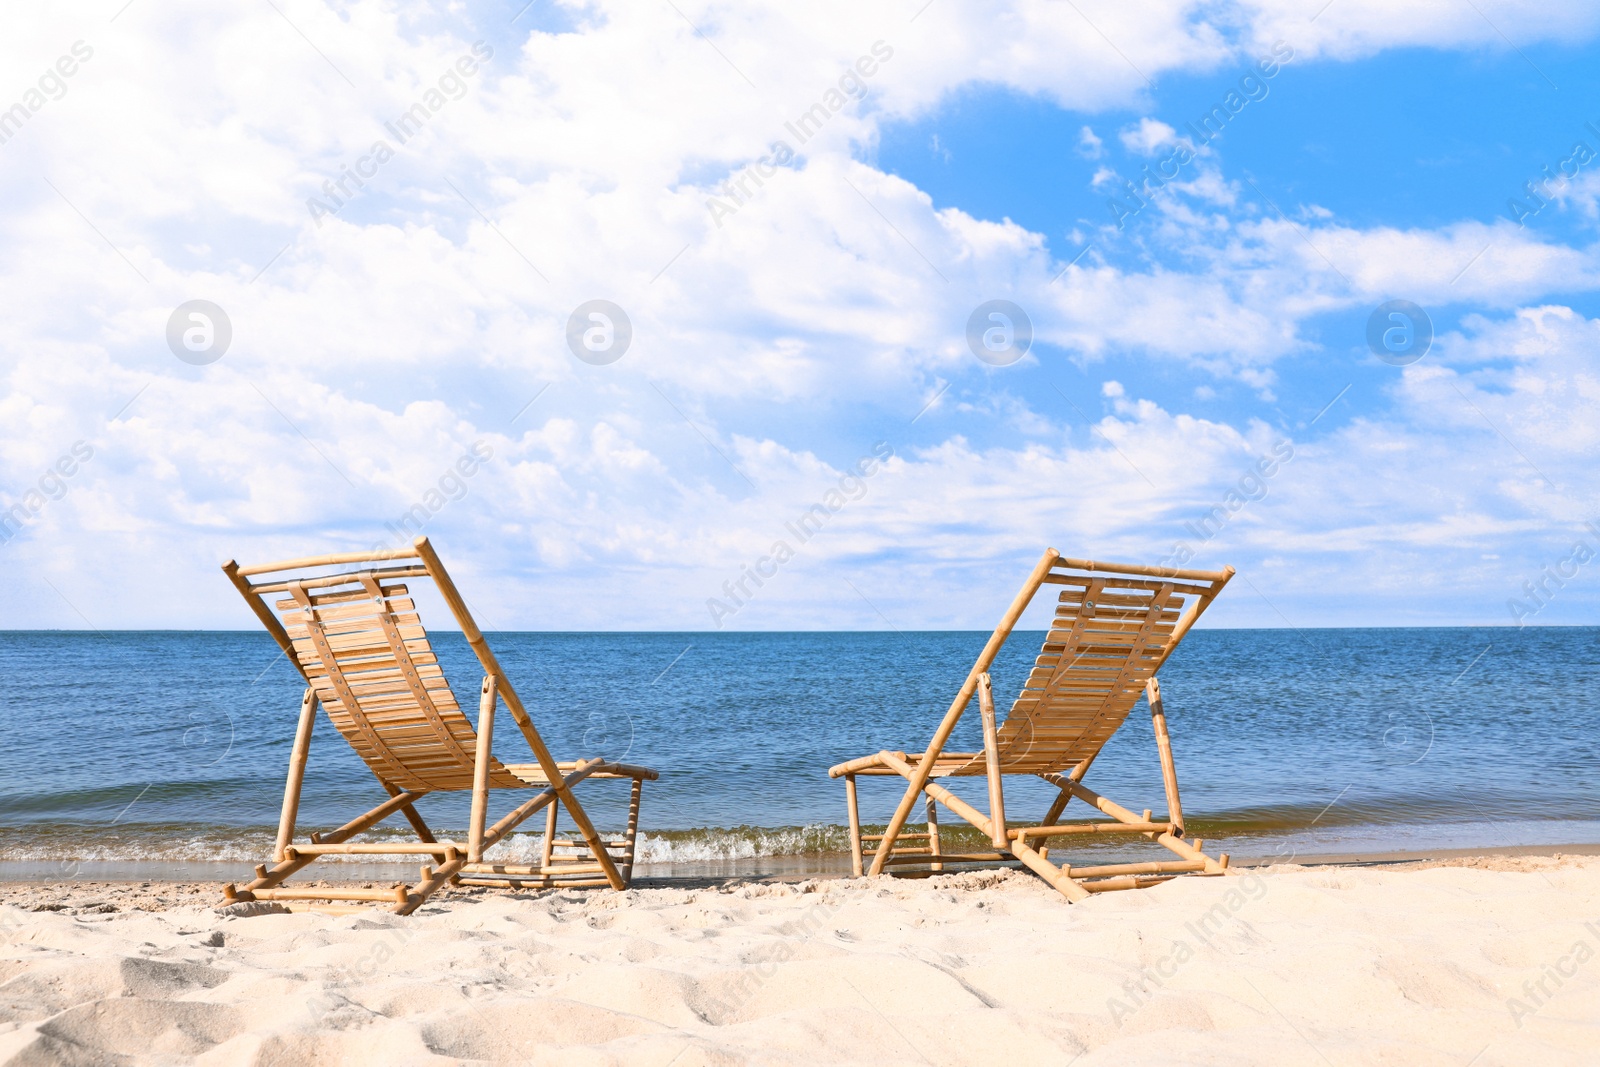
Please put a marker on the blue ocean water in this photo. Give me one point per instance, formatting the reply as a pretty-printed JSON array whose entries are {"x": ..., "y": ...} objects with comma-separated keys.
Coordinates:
[{"x": 145, "y": 745}]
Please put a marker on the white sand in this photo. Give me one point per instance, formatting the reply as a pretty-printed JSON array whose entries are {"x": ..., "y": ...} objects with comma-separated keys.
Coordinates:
[{"x": 1293, "y": 965}]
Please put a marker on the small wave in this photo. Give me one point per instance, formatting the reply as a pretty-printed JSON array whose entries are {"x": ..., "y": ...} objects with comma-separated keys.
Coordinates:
[
  {"x": 176, "y": 845},
  {"x": 741, "y": 842}
]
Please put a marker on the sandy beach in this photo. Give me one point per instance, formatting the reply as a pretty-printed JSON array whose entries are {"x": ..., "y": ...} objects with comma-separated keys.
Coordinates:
[{"x": 1482, "y": 960}]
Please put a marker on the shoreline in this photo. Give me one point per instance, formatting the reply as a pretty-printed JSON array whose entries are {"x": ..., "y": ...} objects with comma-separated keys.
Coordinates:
[{"x": 196, "y": 889}]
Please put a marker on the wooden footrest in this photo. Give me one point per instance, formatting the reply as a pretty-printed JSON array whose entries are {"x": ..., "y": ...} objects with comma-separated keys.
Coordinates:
[
  {"x": 948, "y": 857},
  {"x": 396, "y": 895},
  {"x": 1157, "y": 867},
  {"x": 526, "y": 870},
  {"x": 512, "y": 881},
  {"x": 1128, "y": 882},
  {"x": 442, "y": 849},
  {"x": 1027, "y": 832}
]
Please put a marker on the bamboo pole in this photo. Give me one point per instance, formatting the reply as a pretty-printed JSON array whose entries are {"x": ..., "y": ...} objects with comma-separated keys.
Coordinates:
[
  {"x": 1029, "y": 832},
  {"x": 854, "y": 812},
  {"x": 376, "y": 848},
  {"x": 1154, "y": 867},
  {"x": 628, "y": 770},
  {"x": 376, "y": 896},
  {"x": 480, "y": 771},
  {"x": 933, "y": 832},
  {"x": 1169, "y": 771},
  {"x": 297, "y": 773},
  {"x": 480, "y": 647},
  {"x": 381, "y": 574},
  {"x": 1128, "y": 882},
  {"x": 1145, "y": 570},
  {"x": 985, "y": 659},
  {"x": 524, "y": 870},
  {"x": 326, "y": 561},
  {"x": 917, "y": 855},
  {"x": 515, "y": 881},
  {"x": 634, "y": 796},
  {"x": 552, "y": 816},
  {"x": 991, "y": 755},
  {"x": 857, "y": 765}
]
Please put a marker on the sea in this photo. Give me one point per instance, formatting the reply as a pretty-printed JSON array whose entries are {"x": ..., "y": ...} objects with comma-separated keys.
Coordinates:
[{"x": 150, "y": 755}]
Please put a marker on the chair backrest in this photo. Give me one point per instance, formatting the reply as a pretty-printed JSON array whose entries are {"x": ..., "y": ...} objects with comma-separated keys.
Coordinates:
[
  {"x": 1114, "y": 626},
  {"x": 356, "y": 637}
]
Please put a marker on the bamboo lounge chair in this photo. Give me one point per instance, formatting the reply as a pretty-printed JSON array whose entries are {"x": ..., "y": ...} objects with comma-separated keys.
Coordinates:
[
  {"x": 1113, "y": 629},
  {"x": 355, "y": 637}
]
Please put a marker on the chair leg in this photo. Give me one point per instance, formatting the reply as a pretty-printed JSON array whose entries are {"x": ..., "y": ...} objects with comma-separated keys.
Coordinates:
[
  {"x": 297, "y": 773},
  {"x": 933, "y": 834},
  {"x": 633, "y": 830},
  {"x": 854, "y": 812},
  {"x": 480, "y": 772},
  {"x": 1169, "y": 770},
  {"x": 991, "y": 757},
  {"x": 551, "y": 817}
]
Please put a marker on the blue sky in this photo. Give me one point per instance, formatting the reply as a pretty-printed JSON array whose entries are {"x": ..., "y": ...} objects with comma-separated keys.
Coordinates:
[
  {"x": 1404, "y": 139},
  {"x": 788, "y": 320}
]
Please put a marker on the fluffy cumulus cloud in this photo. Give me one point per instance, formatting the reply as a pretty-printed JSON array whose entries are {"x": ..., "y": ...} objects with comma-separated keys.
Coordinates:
[
  {"x": 399, "y": 210},
  {"x": 1350, "y": 29}
]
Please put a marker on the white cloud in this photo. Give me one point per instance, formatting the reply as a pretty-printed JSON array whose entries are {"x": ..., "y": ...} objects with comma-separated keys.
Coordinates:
[
  {"x": 1089, "y": 145},
  {"x": 769, "y": 351},
  {"x": 1351, "y": 29},
  {"x": 1105, "y": 178},
  {"x": 1148, "y": 136}
]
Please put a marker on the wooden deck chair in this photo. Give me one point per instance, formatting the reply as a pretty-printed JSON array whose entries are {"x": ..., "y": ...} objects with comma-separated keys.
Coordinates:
[
  {"x": 355, "y": 637},
  {"x": 1114, "y": 627}
]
